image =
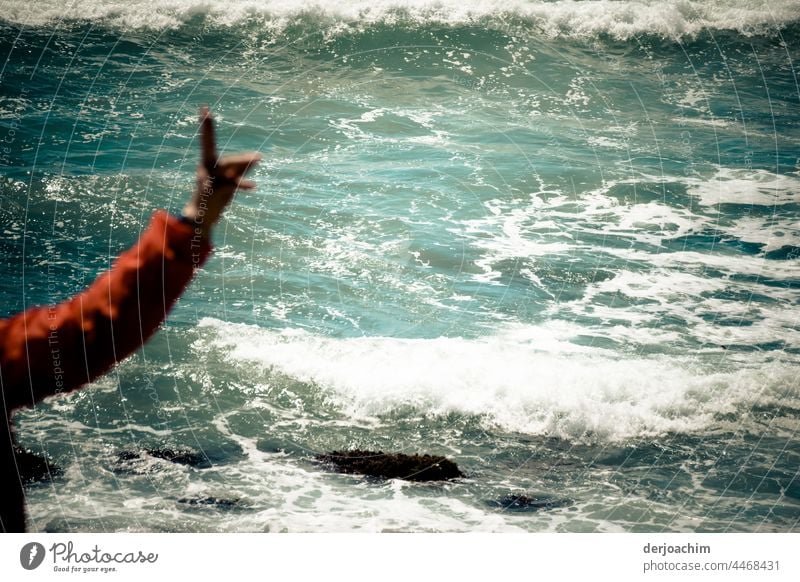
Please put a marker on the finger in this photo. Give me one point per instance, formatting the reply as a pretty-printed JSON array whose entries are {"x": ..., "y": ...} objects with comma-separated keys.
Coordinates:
[
  {"x": 240, "y": 163},
  {"x": 208, "y": 147},
  {"x": 246, "y": 185},
  {"x": 236, "y": 167}
]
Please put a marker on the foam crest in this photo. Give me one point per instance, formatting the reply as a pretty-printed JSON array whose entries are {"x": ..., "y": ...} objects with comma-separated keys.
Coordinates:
[
  {"x": 772, "y": 233},
  {"x": 751, "y": 187},
  {"x": 566, "y": 18},
  {"x": 526, "y": 379}
]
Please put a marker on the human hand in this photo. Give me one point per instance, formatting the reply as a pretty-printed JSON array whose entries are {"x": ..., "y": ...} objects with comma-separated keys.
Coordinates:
[{"x": 217, "y": 179}]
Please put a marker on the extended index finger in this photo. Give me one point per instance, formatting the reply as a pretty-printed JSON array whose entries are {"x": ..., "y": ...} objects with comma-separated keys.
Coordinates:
[{"x": 208, "y": 146}]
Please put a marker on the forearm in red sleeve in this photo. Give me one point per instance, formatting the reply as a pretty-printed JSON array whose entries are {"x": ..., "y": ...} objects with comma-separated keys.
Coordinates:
[{"x": 50, "y": 350}]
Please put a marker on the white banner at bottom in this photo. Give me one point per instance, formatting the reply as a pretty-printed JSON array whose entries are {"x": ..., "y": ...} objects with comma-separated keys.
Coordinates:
[{"x": 399, "y": 557}]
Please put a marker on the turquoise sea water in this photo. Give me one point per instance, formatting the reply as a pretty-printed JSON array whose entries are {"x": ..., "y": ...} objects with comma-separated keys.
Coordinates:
[{"x": 558, "y": 242}]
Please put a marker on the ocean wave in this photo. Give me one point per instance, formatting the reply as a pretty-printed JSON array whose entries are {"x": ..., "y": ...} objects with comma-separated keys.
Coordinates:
[
  {"x": 747, "y": 187},
  {"x": 562, "y": 18},
  {"x": 525, "y": 379}
]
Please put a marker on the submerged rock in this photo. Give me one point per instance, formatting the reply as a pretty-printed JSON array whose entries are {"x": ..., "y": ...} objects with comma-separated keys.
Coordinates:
[
  {"x": 34, "y": 468},
  {"x": 128, "y": 456},
  {"x": 141, "y": 462},
  {"x": 525, "y": 503},
  {"x": 393, "y": 465},
  {"x": 178, "y": 456},
  {"x": 218, "y": 502},
  {"x": 181, "y": 457}
]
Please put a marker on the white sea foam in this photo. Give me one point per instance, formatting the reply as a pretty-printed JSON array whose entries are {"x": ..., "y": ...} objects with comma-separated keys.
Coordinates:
[
  {"x": 756, "y": 187},
  {"x": 773, "y": 232},
  {"x": 694, "y": 299},
  {"x": 539, "y": 229},
  {"x": 772, "y": 324},
  {"x": 787, "y": 271},
  {"x": 547, "y": 225},
  {"x": 606, "y": 142},
  {"x": 671, "y": 18},
  {"x": 657, "y": 284},
  {"x": 525, "y": 379}
]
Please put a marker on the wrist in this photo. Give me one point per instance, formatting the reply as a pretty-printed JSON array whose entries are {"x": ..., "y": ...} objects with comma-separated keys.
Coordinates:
[{"x": 196, "y": 220}]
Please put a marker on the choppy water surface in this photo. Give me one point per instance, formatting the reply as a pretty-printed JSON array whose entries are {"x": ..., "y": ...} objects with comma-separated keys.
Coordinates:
[{"x": 555, "y": 241}]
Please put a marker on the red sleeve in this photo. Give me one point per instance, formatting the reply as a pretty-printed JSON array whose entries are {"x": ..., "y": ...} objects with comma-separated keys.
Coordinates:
[{"x": 51, "y": 350}]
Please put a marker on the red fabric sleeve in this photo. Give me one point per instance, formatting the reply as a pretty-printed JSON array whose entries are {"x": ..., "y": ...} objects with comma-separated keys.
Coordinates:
[{"x": 51, "y": 350}]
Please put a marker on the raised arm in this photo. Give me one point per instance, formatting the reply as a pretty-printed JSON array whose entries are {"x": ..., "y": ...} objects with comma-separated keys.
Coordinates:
[{"x": 51, "y": 350}]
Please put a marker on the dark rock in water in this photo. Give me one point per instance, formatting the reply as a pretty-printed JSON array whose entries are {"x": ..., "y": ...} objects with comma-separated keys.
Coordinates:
[
  {"x": 128, "y": 456},
  {"x": 275, "y": 445},
  {"x": 393, "y": 465},
  {"x": 181, "y": 457},
  {"x": 218, "y": 502},
  {"x": 524, "y": 503},
  {"x": 134, "y": 462},
  {"x": 34, "y": 468},
  {"x": 129, "y": 463}
]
